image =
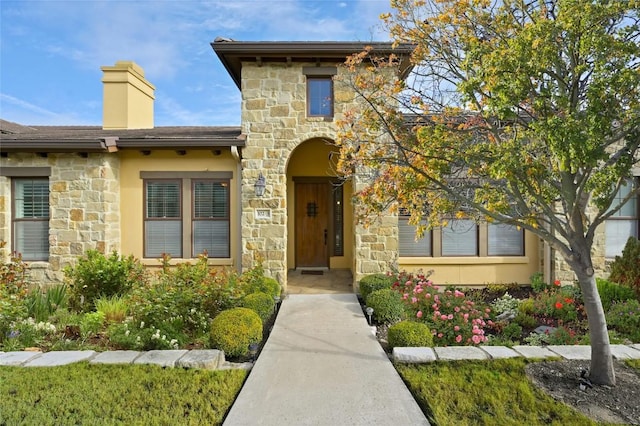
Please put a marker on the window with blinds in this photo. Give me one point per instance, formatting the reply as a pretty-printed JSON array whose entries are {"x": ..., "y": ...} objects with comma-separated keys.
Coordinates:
[
  {"x": 460, "y": 238},
  {"x": 31, "y": 218},
  {"x": 319, "y": 96},
  {"x": 623, "y": 223},
  {"x": 408, "y": 245},
  {"x": 504, "y": 240},
  {"x": 163, "y": 219},
  {"x": 211, "y": 218},
  {"x": 186, "y": 225}
]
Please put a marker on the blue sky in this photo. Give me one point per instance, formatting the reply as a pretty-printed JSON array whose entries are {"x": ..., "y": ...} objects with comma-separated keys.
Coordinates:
[{"x": 51, "y": 51}]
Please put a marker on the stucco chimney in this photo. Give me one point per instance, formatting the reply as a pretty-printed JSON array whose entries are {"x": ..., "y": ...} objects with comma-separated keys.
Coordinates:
[{"x": 127, "y": 97}]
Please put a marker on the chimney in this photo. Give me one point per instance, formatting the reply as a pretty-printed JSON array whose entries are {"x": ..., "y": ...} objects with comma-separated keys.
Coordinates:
[{"x": 127, "y": 97}]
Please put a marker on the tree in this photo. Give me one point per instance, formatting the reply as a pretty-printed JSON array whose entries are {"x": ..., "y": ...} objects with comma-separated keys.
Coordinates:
[{"x": 523, "y": 112}]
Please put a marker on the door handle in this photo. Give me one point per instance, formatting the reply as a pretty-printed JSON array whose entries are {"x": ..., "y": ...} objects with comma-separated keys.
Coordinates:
[{"x": 326, "y": 235}]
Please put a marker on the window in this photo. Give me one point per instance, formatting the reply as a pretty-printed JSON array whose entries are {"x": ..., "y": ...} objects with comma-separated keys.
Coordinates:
[
  {"x": 460, "y": 238},
  {"x": 319, "y": 90},
  {"x": 186, "y": 215},
  {"x": 408, "y": 245},
  {"x": 319, "y": 96},
  {"x": 31, "y": 218},
  {"x": 624, "y": 223},
  {"x": 338, "y": 220},
  {"x": 504, "y": 240}
]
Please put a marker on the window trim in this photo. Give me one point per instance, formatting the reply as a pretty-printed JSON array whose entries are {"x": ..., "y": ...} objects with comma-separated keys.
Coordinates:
[
  {"x": 635, "y": 181},
  {"x": 186, "y": 183}
]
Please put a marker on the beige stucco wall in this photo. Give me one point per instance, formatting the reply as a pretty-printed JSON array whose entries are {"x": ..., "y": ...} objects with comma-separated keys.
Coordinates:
[
  {"x": 132, "y": 193},
  {"x": 311, "y": 158},
  {"x": 84, "y": 208}
]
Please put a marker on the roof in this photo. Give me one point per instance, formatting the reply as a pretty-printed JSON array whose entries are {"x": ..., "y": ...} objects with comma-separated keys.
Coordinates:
[
  {"x": 232, "y": 53},
  {"x": 18, "y": 138}
]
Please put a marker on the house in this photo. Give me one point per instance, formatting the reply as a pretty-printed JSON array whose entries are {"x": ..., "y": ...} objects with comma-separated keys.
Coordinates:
[{"x": 265, "y": 192}]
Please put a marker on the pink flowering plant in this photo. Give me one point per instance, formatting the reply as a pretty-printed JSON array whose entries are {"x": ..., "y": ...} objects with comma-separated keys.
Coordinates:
[{"x": 454, "y": 318}]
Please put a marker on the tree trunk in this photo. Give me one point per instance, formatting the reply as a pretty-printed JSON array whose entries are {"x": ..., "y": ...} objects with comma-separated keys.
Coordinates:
[{"x": 601, "y": 370}]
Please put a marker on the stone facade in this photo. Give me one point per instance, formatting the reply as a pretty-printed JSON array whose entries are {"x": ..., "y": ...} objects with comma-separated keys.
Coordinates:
[
  {"x": 275, "y": 121},
  {"x": 84, "y": 203}
]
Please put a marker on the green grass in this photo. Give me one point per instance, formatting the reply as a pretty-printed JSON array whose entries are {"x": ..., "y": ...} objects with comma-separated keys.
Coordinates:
[
  {"x": 496, "y": 392},
  {"x": 116, "y": 394}
]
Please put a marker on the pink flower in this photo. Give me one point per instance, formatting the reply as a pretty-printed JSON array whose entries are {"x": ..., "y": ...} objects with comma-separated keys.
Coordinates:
[
  {"x": 443, "y": 317},
  {"x": 414, "y": 299},
  {"x": 458, "y": 338},
  {"x": 440, "y": 335},
  {"x": 419, "y": 314},
  {"x": 476, "y": 339},
  {"x": 450, "y": 316},
  {"x": 427, "y": 296},
  {"x": 405, "y": 296},
  {"x": 466, "y": 317},
  {"x": 458, "y": 293},
  {"x": 456, "y": 328}
]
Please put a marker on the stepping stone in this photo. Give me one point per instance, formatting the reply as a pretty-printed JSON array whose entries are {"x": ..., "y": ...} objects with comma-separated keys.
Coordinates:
[
  {"x": 576, "y": 352},
  {"x": 453, "y": 353},
  {"x": 52, "y": 359},
  {"x": 115, "y": 357},
  {"x": 208, "y": 359},
  {"x": 412, "y": 355},
  {"x": 17, "y": 358},
  {"x": 499, "y": 352},
  {"x": 636, "y": 346},
  {"x": 625, "y": 352},
  {"x": 162, "y": 358},
  {"x": 534, "y": 352}
]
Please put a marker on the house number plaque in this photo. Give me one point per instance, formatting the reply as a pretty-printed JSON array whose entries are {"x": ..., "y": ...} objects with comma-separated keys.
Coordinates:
[{"x": 263, "y": 214}]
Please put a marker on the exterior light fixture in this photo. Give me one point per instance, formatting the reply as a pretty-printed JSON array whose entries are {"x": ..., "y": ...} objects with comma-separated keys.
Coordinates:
[
  {"x": 253, "y": 351},
  {"x": 259, "y": 186},
  {"x": 369, "y": 311}
]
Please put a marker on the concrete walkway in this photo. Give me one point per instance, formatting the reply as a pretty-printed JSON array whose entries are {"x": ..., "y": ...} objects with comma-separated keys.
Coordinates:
[{"x": 322, "y": 365}]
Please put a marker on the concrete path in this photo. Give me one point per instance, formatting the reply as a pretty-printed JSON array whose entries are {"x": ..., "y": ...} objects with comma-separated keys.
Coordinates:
[{"x": 322, "y": 365}]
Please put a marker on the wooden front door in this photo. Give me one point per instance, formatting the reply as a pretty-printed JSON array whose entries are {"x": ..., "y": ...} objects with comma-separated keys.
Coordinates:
[{"x": 312, "y": 224}]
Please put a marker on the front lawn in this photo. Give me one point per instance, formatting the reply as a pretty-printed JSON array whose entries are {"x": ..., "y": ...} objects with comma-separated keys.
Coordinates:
[{"x": 116, "y": 395}]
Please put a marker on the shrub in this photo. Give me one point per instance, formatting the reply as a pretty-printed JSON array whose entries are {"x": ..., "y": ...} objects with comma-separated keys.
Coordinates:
[
  {"x": 537, "y": 282},
  {"x": 625, "y": 269},
  {"x": 455, "y": 319},
  {"x": 624, "y": 317},
  {"x": 13, "y": 290},
  {"x": 409, "y": 333},
  {"x": 233, "y": 330},
  {"x": 91, "y": 323},
  {"x": 262, "y": 303},
  {"x": 611, "y": 292},
  {"x": 96, "y": 275},
  {"x": 371, "y": 283},
  {"x": 254, "y": 280},
  {"x": 557, "y": 304},
  {"x": 387, "y": 305},
  {"x": 525, "y": 320},
  {"x": 512, "y": 331},
  {"x": 527, "y": 306},
  {"x": 506, "y": 303},
  {"x": 563, "y": 336}
]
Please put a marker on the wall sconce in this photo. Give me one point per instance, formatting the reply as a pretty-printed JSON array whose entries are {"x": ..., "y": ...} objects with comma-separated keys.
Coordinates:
[{"x": 259, "y": 186}]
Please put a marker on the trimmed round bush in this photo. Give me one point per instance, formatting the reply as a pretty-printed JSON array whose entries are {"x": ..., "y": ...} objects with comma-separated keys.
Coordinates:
[
  {"x": 371, "y": 283},
  {"x": 233, "y": 330},
  {"x": 387, "y": 306},
  {"x": 409, "y": 333},
  {"x": 262, "y": 303}
]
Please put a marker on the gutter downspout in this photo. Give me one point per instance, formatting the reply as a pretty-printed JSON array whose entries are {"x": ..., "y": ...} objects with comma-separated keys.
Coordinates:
[{"x": 235, "y": 153}]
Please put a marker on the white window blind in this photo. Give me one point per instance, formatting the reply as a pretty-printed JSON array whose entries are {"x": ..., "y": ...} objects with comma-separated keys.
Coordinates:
[
  {"x": 460, "y": 238},
  {"x": 163, "y": 221},
  {"x": 623, "y": 223},
  {"x": 211, "y": 218},
  {"x": 408, "y": 245},
  {"x": 31, "y": 221},
  {"x": 505, "y": 240}
]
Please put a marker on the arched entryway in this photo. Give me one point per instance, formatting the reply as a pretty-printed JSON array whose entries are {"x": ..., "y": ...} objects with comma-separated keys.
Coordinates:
[{"x": 320, "y": 219}]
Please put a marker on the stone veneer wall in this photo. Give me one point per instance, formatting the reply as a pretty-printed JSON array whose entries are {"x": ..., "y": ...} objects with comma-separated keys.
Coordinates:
[
  {"x": 565, "y": 274},
  {"x": 84, "y": 208},
  {"x": 275, "y": 121}
]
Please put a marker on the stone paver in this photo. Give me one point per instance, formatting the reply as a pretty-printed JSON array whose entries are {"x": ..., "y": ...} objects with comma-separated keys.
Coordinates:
[
  {"x": 52, "y": 359},
  {"x": 576, "y": 352},
  {"x": 115, "y": 357},
  {"x": 17, "y": 358},
  {"x": 454, "y": 353},
  {"x": 636, "y": 346},
  {"x": 161, "y": 358},
  {"x": 209, "y": 359},
  {"x": 413, "y": 355},
  {"x": 534, "y": 352},
  {"x": 499, "y": 352},
  {"x": 624, "y": 352}
]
